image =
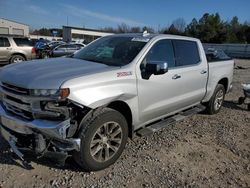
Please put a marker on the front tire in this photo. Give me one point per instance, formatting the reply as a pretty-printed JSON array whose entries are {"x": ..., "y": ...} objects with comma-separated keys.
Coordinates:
[
  {"x": 215, "y": 103},
  {"x": 103, "y": 138}
]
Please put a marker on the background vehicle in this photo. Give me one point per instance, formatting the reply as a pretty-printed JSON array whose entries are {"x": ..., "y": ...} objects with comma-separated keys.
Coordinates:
[
  {"x": 112, "y": 89},
  {"x": 65, "y": 49},
  {"x": 44, "y": 49},
  {"x": 15, "y": 49},
  {"x": 213, "y": 54}
]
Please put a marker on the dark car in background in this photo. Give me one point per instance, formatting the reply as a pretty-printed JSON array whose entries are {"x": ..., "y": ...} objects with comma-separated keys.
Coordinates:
[
  {"x": 15, "y": 49},
  {"x": 43, "y": 49},
  {"x": 65, "y": 49}
]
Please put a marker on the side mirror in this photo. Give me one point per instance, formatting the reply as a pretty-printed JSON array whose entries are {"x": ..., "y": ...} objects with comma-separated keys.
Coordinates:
[
  {"x": 156, "y": 67},
  {"x": 153, "y": 67}
]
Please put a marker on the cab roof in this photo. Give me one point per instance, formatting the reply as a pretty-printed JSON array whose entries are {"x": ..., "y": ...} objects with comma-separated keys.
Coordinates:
[{"x": 151, "y": 36}]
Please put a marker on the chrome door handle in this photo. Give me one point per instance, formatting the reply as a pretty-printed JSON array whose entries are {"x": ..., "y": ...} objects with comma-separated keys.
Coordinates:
[
  {"x": 8, "y": 48},
  {"x": 203, "y": 72},
  {"x": 176, "y": 76}
]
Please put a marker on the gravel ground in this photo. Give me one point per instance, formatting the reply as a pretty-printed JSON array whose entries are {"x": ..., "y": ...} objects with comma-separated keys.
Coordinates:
[{"x": 202, "y": 151}]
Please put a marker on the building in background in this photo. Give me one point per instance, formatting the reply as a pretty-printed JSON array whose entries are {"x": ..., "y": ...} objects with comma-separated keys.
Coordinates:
[
  {"x": 82, "y": 34},
  {"x": 9, "y": 27}
]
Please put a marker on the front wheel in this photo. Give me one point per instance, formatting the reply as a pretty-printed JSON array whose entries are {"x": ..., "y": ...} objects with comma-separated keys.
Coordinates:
[
  {"x": 215, "y": 103},
  {"x": 103, "y": 139}
]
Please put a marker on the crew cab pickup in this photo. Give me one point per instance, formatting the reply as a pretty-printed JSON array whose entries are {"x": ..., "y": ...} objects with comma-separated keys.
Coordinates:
[{"x": 88, "y": 104}]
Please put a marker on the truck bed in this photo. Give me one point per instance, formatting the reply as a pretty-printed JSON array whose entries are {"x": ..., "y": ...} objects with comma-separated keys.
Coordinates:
[{"x": 216, "y": 71}]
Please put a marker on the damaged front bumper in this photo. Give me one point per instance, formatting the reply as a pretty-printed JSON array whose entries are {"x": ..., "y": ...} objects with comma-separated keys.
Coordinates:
[{"x": 41, "y": 130}]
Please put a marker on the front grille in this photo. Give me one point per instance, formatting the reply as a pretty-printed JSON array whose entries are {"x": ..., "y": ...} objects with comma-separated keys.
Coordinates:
[
  {"x": 17, "y": 101},
  {"x": 12, "y": 100},
  {"x": 15, "y": 89},
  {"x": 17, "y": 111}
]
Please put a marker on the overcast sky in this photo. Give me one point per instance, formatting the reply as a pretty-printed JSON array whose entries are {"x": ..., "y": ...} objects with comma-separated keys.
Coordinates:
[{"x": 103, "y": 13}]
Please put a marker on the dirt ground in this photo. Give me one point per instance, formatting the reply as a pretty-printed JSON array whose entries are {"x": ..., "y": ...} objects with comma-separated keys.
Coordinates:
[{"x": 202, "y": 151}]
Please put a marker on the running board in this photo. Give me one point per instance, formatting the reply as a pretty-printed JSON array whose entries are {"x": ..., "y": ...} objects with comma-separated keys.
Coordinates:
[{"x": 170, "y": 120}]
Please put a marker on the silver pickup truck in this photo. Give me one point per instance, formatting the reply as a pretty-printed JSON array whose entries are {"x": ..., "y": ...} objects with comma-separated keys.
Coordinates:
[{"x": 119, "y": 86}]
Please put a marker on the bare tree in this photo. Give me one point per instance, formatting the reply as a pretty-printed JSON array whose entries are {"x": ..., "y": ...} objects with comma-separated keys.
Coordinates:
[
  {"x": 123, "y": 28},
  {"x": 179, "y": 24},
  {"x": 109, "y": 29},
  {"x": 135, "y": 30}
]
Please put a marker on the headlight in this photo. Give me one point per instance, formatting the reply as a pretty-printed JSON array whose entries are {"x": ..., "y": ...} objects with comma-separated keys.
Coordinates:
[
  {"x": 61, "y": 93},
  {"x": 44, "y": 92}
]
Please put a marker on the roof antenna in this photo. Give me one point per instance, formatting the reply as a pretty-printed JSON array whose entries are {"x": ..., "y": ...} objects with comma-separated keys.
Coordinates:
[{"x": 145, "y": 33}]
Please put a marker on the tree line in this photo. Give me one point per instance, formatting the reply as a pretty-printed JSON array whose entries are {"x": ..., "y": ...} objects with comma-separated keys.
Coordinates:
[{"x": 210, "y": 28}]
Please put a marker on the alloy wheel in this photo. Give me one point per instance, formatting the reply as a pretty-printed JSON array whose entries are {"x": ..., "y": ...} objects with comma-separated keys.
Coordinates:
[
  {"x": 218, "y": 100},
  {"x": 106, "y": 141}
]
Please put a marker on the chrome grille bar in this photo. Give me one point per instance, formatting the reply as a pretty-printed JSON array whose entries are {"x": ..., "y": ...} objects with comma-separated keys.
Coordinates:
[
  {"x": 17, "y": 105},
  {"x": 15, "y": 89},
  {"x": 16, "y": 111}
]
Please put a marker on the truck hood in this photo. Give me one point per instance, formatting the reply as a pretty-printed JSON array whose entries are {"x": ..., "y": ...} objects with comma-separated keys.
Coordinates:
[{"x": 49, "y": 73}]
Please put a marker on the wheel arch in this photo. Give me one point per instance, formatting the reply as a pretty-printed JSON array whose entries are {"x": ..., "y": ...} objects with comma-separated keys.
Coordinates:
[
  {"x": 125, "y": 110},
  {"x": 224, "y": 82}
]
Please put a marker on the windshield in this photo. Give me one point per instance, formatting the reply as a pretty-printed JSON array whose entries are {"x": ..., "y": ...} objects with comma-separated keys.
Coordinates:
[{"x": 112, "y": 50}]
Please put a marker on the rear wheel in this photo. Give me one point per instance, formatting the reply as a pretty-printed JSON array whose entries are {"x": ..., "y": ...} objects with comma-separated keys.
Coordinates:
[
  {"x": 17, "y": 59},
  {"x": 45, "y": 55},
  {"x": 215, "y": 103},
  {"x": 103, "y": 139}
]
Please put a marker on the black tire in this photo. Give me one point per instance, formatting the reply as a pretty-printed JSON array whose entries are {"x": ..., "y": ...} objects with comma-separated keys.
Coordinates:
[
  {"x": 17, "y": 59},
  {"x": 45, "y": 56},
  {"x": 248, "y": 107},
  {"x": 89, "y": 132},
  {"x": 212, "y": 108},
  {"x": 241, "y": 100}
]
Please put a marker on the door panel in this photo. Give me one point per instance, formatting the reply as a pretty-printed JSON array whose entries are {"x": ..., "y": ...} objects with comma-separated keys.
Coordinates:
[
  {"x": 180, "y": 87},
  {"x": 59, "y": 52}
]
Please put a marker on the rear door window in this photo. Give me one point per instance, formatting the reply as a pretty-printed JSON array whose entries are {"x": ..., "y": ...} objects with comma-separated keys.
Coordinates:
[
  {"x": 186, "y": 52},
  {"x": 22, "y": 41},
  {"x": 4, "y": 42}
]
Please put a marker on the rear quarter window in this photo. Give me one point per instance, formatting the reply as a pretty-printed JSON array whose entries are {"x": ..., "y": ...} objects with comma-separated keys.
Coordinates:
[
  {"x": 23, "y": 42},
  {"x": 4, "y": 42},
  {"x": 186, "y": 52}
]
